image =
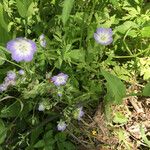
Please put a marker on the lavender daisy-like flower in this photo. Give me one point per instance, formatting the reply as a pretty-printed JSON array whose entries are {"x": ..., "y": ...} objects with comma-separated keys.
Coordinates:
[
  {"x": 103, "y": 36},
  {"x": 21, "y": 49},
  {"x": 61, "y": 125},
  {"x": 60, "y": 79},
  {"x": 42, "y": 40},
  {"x": 78, "y": 113},
  {"x": 11, "y": 75},
  {"x": 21, "y": 72}
]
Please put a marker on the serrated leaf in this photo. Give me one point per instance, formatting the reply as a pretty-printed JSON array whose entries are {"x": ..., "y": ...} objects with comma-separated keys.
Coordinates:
[
  {"x": 116, "y": 90},
  {"x": 146, "y": 90},
  {"x": 67, "y": 7}
]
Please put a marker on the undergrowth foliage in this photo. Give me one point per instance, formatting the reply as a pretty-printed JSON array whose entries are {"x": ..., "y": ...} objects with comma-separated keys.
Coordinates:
[{"x": 58, "y": 57}]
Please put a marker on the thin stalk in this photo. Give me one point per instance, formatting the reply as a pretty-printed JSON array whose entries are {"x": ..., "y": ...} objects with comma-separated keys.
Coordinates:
[
  {"x": 26, "y": 27},
  {"x": 127, "y": 48},
  {"x": 132, "y": 56},
  {"x": 11, "y": 62}
]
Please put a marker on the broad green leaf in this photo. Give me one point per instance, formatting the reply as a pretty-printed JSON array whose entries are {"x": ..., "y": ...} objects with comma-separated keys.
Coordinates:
[
  {"x": 21, "y": 8},
  {"x": 2, "y": 57},
  {"x": 30, "y": 9},
  {"x": 145, "y": 32},
  {"x": 116, "y": 90},
  {"x": 67, "y": 7},
  {"x": 146, "y": 90},
  {"x": 25, "y": 7},
  {"x": 39, "y": 144},
  {"x": 5, "y": 35},
  {"x": 35, "y": 134},
  {"x": 3, "y": 131}
]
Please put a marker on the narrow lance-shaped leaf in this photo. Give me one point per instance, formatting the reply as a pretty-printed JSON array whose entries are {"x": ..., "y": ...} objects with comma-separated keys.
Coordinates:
[
  {"x": 67, "y": 7},
  {"x": 2, "y": 21}
]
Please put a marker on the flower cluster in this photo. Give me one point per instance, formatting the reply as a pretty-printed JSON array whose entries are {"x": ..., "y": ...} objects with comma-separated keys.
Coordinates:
[
  {"x": 21, "y": 49},
  {"x": 42, "y": 40},
  {"x": 9, "y": 80},
  {"x": 103, "y": 36}
]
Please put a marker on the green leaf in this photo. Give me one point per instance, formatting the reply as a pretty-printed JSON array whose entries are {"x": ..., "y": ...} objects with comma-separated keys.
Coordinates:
[
  {"x": 35, "y": 134},
  {"x": 145, "y": 31},
  {"x": 3, "y": 27},
  {"x": 30, "y": 9},
  {"x": 2, "y": 21},
  {"x": 67, "y": 7},
  {"x": 126, "y": 26},
  {"x": 3, "y": 131},
  {"x": 2, "y": 57},
  {"x": 25, "y": 7},
  {"x": 146, "y": 90},
  {"x": 60, "y": 137},
  {"x": 120, "y": 118},
  {"x": 39, "y": 144},
  {"x": 76, "y": 55},
  {"x": 144, "y": 137},
  {"x": 15, "y": 109},
  {"x": 116, "y": 90}
]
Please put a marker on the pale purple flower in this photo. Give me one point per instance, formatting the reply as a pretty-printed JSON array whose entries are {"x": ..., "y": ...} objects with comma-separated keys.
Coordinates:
[
  {"x": 21, "y": 72},
  {"x": 103, "y": 36},
  {"x": 60, "y": 79},
  {"x": 59, "y": 93},
  {"x": 61, "y": 125},
  {"x": 11, "y": 75},
  {"x": 78, "y": 113},
  {"x": 10, "y": 79},
  {"x": 3, "y": 87},
  {"x": 42, "y": 40},
  {"x": 21, "y": 49}
]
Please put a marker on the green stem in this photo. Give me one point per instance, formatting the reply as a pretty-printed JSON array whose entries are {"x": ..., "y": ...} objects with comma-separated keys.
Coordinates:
[
  {"x": 127, "y": 48},
  {"x": 132, "y": 56},
  {"x": 11, "y": 62},
  {"x": 26, "y": 27}
]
